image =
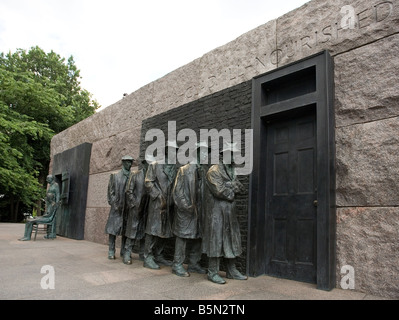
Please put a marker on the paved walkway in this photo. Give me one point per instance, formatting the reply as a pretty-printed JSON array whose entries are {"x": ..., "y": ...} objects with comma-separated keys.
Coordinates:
[{"x": 83, "y": 272}]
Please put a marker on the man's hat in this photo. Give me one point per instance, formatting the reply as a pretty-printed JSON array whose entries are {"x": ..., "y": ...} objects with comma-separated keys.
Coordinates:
[{"x": 127, "y": 158}]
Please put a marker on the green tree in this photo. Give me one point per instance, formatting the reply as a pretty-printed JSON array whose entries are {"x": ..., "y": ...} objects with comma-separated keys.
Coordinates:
[
  {"x": 40, "y": 95},
  {"x": 18, "y": 168}
]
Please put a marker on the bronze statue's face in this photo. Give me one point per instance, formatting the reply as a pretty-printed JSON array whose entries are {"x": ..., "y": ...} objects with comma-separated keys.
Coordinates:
[
  {"x": 127, "y": 164},
  {"x": 50, "y": 179}
]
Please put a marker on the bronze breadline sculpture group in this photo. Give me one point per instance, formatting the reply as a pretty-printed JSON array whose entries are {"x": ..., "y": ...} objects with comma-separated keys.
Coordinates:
[{"x": 195, "y": 204}]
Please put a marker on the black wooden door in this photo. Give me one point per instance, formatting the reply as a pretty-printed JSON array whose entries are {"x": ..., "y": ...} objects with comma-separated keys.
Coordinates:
[{"x": 291, "y": 198}]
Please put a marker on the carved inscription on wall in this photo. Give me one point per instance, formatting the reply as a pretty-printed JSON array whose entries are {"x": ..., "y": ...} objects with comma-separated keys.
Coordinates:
[
  {"x": 350, "y": 24},
  {"x": 339, "y": 27}
]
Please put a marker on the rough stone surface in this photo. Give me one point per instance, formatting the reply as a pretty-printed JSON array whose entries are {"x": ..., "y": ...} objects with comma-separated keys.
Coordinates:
[
  {"x": 237, "y": 61},
  {"x": 366, "y": 82},
  {"x": 124, "y": 115},
  {"x": 321, "y": 24},
  {"x": 367, "y": 164},
  {"x": 107, "y": 153},
  {"x": 176, "y": 88},
  {"x": 97, "y": 190},
  {"x": 367, "y": 240},
  {"x": 96, "y": 219}
]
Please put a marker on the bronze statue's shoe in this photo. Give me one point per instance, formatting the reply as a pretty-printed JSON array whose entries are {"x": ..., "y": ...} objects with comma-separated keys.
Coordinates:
[
  {"x": 232, "y": 272},
  {"x": 24, "y": 239},
  {"x": 111, "y": 255},
  {"x": 163, "y": 262},
  {"x": 127, "y": 258},
  {"x": 150, "y": 263},
  {"x": 236, "y": 275},
  {"x": 196, "y": 268},
  {"x": 180, "y": 271},
  {"x": 216, "y": 279}
]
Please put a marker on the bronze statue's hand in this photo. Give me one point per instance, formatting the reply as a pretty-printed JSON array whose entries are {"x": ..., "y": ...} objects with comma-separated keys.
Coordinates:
[{"x": 238, "y": 187}]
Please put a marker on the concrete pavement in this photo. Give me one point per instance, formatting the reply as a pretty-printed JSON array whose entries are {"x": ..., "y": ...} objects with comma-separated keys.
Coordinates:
[{"x": 83, "y": 272}]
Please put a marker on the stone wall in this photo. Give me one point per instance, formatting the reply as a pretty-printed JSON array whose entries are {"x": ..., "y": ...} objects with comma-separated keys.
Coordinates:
[
  {"x": 367, "y": 139},
  {"x": 362, "y": 37}
]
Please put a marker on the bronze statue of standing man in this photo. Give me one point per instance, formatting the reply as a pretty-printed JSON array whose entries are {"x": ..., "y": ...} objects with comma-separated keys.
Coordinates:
[
  {"x": 188, "y": 194},
  {"x": 222, "y": 237},
  {"x": 159, "y": 182},
  {"x": 137, "y": 204},
  {"x": 116, "y": 198}
]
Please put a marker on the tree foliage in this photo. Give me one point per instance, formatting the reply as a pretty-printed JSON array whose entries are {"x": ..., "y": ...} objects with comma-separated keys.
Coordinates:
[{"x": 40, "y": 95}]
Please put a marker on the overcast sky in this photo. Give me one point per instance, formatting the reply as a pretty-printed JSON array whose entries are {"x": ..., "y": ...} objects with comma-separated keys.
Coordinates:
[{"x": 121, "y": 45}]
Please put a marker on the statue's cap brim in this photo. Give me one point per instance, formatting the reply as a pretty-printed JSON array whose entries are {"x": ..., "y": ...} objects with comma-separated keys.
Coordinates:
[{"x": 127, "y": 158}]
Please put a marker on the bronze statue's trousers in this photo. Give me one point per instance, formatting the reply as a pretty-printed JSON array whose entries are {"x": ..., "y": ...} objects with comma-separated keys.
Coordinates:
[
  {"x": 180, "y": 251},
  {"x": 213, "y": 266},
  {"x": 111, "y": 244},
  {"x": 153, "y": 247},
  {"x": 231, "y": 268},
  {"x": 28, "y": 229},
  {"x": 130, "y": 244}
]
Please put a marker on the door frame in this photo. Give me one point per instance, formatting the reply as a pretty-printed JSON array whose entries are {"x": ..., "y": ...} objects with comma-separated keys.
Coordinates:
[{"x": 323, "y": 100}]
